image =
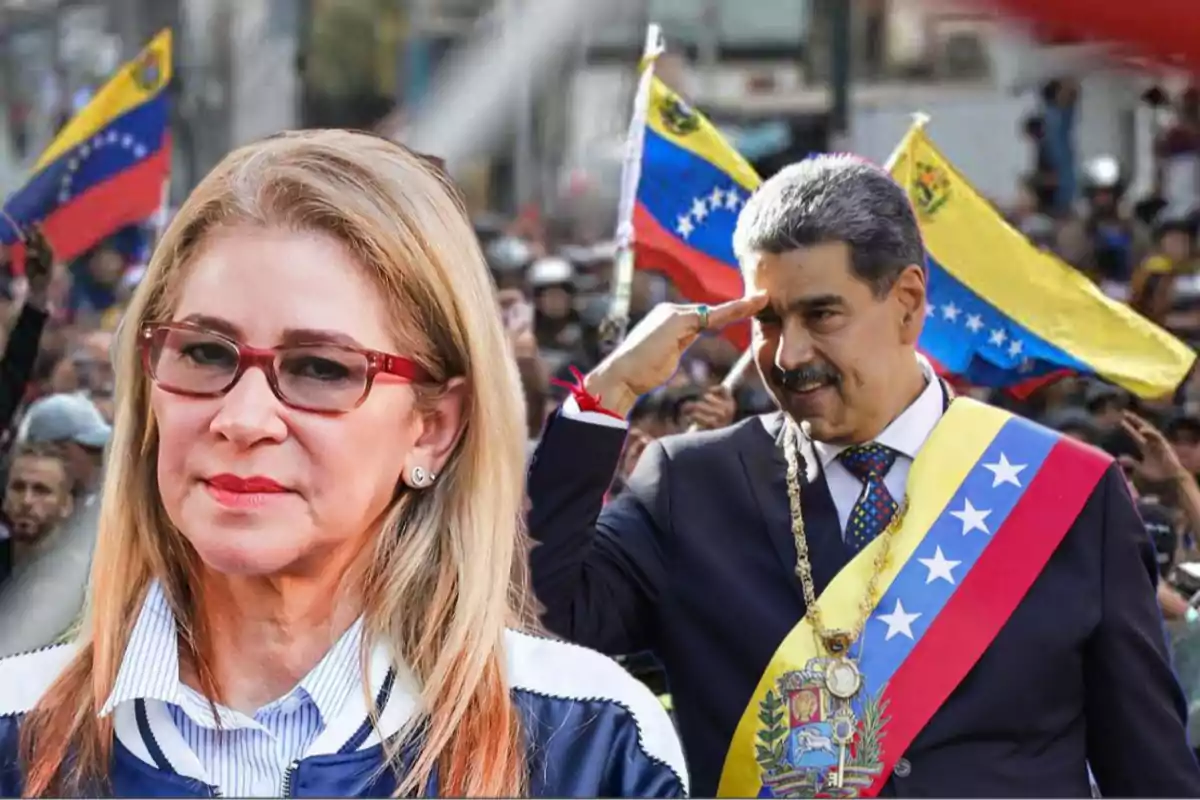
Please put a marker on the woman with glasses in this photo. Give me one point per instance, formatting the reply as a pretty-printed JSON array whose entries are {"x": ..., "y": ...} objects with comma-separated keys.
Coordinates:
[{"x": 309, "y": 578}]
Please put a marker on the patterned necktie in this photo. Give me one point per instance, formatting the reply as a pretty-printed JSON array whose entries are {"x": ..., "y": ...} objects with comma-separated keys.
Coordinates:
[{"x": 876, "y": 506}]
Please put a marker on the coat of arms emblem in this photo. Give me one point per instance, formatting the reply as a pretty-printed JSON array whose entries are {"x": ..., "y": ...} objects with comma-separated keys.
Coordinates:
[
  {"x": 812, "y": 743},
  {"x": 677, "y": 116},
  {"x": 147, "y": 71},
  {"x": 930, "y": 189}
]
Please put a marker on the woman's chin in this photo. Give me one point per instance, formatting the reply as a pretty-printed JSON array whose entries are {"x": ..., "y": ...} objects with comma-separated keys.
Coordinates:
[{"x": 247, "y": 554}]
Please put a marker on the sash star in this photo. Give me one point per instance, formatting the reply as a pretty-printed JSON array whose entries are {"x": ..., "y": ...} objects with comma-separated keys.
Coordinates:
[
  {"x": 939, "y": 567},
  {"x": 1004, "y": 472},
  {"x": 899, "y": 622},
  {"x": 972, "y": 518},
  {"x": 974, "y": 323}
]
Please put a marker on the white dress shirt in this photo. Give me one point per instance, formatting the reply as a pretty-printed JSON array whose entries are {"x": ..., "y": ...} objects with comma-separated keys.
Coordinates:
[
  {"x": 906, "y": 435},
  {"x": 244, "y": 756}
]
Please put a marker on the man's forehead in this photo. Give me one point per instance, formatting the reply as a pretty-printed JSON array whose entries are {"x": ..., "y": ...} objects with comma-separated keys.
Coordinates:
[
  {"x": 37, "y": 467},
  {"x": 801, "y": 276}
]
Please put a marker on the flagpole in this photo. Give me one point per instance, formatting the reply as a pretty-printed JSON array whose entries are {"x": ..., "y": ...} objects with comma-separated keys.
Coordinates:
[
  {"x": 919, "y": 120},
  {"x": 617, "y": 322},
  {"x": 161, "y": 216}
]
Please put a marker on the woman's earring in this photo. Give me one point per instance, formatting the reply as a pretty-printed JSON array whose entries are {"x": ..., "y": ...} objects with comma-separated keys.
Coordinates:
[{"x": 419, "y": 478}]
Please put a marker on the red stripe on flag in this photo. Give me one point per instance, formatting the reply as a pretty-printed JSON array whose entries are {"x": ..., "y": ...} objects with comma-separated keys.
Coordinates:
[
  {"x": 699, "y": 277},
  {"x": 127, "y": 198},
  {"x": 988, "y": 595},
  {"x": 1020, "y": 391}
]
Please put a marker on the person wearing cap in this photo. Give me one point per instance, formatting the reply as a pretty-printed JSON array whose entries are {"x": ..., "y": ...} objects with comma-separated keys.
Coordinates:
[
  {"x": 557, "y": 323},
  {"x": 74, "y": 422}
]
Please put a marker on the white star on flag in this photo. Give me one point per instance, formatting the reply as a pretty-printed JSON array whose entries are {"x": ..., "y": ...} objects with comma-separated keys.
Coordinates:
[
  {"x": 930, "y": 311},
  {"x": 972, "y": 518},
  {"x": 974, "y": 323},
  {"x": 716, "y": 198},
  {"x": 939, "y": 567},
  {"x": 732, "y": 199},
  {"x": 997, "y": 338},
  {"x": 898, "y": 622},
  {"x": 950, "y": 311},
  {"x": 699, "y": 209},
  {"x": 684, "y": 226},
  {"x": 1005, "y": 472},
  {"x": 1014, "y": 349}
]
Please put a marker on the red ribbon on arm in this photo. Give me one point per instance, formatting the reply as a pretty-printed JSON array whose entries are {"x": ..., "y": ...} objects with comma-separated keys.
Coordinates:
[{"x": 583, "y": 398}]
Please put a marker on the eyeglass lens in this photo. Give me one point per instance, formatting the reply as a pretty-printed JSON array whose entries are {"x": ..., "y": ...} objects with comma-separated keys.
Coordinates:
[{"x": 311, "y": 376}]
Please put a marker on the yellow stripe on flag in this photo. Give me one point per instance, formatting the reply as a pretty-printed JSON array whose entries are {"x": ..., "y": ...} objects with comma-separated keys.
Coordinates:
[
  {"x": 1037, "y": 290},
  {"x": 136, "y": 82},
  {"x": 706, "y": 141}
]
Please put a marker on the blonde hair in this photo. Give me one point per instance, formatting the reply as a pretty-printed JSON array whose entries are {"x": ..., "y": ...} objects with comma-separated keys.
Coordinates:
[{"x": 447, "y": 572}]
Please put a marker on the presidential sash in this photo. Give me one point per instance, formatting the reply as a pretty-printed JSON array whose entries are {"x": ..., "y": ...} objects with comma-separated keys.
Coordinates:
[{"x": 991, "y": 495}]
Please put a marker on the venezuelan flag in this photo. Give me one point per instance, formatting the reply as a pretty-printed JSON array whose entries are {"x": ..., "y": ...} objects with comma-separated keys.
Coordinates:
[
  {"x": 108, "y": 167},
  {"x": 1002, "y": 313},
  {"x": 692, "y": 186}
]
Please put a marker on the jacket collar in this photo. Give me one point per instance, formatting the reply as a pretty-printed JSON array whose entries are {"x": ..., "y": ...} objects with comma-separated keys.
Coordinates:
[{"x": 148, "y": 681}]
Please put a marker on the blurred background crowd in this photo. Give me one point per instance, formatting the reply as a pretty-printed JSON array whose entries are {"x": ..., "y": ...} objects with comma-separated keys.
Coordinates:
[{"x": 1091, "y": 153}]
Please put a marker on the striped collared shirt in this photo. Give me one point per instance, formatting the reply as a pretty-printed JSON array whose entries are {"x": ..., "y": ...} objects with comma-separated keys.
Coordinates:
[{"x": 243, "y": 756}]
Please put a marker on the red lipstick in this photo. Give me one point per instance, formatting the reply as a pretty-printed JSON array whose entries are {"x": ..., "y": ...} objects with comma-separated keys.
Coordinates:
[
  {"x": 255, "y": 484},
  {"x": 234, "y": 491}
]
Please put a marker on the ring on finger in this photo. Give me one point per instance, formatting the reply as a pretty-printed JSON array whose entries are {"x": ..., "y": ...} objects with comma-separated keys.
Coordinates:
[{"x": 702, "y": 310}]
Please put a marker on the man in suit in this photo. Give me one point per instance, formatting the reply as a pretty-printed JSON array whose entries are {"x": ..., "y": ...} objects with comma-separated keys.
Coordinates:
[{"x": 709, "y": 561}]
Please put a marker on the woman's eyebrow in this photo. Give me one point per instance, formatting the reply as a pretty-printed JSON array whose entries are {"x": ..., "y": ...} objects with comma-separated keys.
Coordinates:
[{"x": 290, "y": 337}]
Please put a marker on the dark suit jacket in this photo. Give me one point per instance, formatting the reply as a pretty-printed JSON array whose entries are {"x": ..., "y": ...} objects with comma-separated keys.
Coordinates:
[{"x": 695, "y": 561}]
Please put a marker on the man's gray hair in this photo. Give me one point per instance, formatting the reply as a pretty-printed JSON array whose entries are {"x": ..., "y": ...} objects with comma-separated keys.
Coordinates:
[{"x": 834, "y": 198}]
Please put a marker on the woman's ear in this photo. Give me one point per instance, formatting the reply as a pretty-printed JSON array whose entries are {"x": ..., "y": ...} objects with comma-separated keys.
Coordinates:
[{"x": 441, "y": 427}]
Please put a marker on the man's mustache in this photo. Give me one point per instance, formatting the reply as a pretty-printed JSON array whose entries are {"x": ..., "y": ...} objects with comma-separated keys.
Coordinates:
[{"x": 793, "y": 379}]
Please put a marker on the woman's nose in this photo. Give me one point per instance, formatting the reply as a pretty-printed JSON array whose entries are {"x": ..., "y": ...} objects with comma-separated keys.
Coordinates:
[{"x": 250, "y": 411}]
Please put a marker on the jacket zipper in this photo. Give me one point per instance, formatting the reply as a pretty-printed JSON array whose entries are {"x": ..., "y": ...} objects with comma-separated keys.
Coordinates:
[{"x": 287, "y": 779}]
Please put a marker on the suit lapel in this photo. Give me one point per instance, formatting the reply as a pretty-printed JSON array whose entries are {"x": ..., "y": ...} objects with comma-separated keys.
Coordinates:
[{"x": 766, "y": 471}]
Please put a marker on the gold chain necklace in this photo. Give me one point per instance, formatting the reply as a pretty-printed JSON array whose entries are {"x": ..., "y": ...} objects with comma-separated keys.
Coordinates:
[{"x": 842, "y": 677}]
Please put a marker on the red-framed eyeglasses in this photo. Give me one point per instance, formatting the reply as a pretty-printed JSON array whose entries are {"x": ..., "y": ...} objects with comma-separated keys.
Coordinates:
[{"x": 193, "y": 361}]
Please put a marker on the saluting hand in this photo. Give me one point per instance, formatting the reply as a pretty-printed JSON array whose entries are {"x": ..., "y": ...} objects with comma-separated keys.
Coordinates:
[{"x": 650, "y": 354}]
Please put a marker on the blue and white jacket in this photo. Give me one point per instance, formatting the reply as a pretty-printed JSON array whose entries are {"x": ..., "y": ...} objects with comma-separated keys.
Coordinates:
[{"x": 591, "y": 730}]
